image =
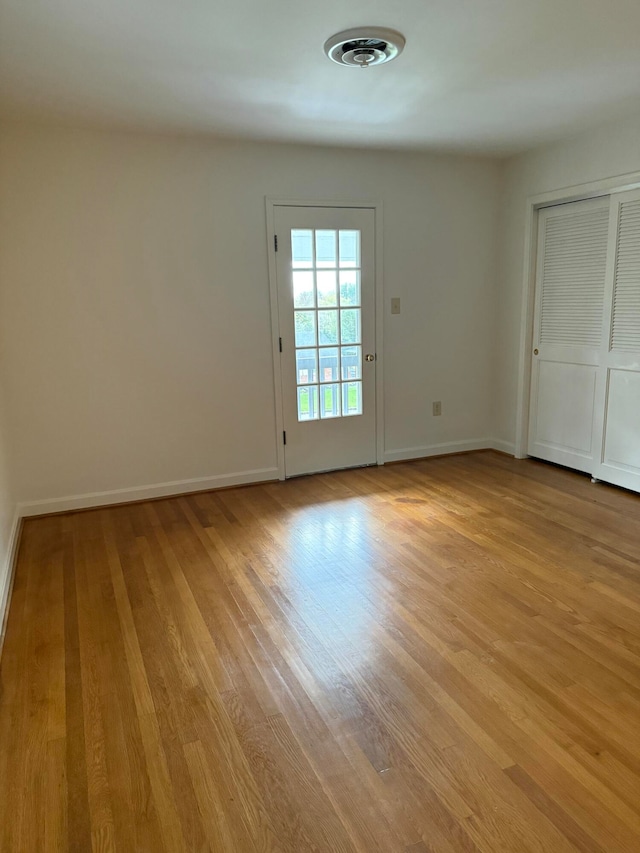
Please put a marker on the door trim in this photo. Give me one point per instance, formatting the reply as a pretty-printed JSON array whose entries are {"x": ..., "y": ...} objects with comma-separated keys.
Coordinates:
[
  {"x": 271, "y": 202},
  {"x": 534, "y": 203}
]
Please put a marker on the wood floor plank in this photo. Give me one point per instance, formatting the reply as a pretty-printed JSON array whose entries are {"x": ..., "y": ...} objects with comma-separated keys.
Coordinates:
[{"x": 441, "y": 656}]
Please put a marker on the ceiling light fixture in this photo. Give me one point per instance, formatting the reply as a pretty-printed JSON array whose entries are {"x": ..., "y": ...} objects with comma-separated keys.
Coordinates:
[{"x": 364, "y": 46}]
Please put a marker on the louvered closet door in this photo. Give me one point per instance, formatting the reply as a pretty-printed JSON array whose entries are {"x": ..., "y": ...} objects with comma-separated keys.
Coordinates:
[
  {"x": 570, "y": 284},
  {"x": 618, "y": 438}
]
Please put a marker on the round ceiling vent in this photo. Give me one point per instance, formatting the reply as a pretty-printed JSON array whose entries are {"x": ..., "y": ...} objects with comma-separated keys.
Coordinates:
[{"x": 364, "y": 46}]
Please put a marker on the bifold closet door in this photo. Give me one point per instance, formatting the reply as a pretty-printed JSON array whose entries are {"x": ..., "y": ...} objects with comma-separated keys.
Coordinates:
[
  {"x": 570, "y": 286},
  {"x": 618, "y": 398}
]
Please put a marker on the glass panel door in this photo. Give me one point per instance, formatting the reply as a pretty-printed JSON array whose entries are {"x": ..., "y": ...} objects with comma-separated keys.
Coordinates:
[{"x": 326, "y": 319}]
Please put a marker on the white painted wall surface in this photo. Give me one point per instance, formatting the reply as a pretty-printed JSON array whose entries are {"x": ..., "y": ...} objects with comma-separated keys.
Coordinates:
[
  {"x": 607, "y": 151},
  {"x": 136, "y": 305}
]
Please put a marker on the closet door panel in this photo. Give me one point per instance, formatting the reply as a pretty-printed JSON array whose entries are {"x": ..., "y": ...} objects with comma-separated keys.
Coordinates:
[
  {"x": 564, "y": 405},
  {"x": 622, "y": 433},
  {"x": 570, "y": 284},
  {"x": 618, "y": 394},
  {"x": 625, "y": 305}
]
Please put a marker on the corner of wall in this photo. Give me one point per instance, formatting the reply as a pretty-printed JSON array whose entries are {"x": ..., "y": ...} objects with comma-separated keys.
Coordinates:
[
  {"x": 502, "y": 441},
  {"x": 7, "y": 573}
]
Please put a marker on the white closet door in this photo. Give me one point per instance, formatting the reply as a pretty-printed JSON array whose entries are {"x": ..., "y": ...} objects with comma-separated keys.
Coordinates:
[
  {"x": 618, "y": 436},
  {"x": 570, "y": 284}
]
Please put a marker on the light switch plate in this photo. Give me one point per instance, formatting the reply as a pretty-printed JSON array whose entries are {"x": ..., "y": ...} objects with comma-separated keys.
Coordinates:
[{"x": 395, "y": 305}]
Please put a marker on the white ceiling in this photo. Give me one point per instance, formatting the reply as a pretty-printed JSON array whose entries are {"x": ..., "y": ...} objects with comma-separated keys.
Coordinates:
[{"x": 481, "y": 75}]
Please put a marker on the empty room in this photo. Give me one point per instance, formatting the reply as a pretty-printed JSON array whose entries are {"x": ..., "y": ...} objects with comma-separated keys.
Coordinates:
[{"x": 320, "y": 426}]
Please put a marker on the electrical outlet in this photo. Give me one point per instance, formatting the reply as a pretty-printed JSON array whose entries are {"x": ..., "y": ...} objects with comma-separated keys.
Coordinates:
[
  {"x": 395, "y": 305},
  {"x": 437, "y": 408}
]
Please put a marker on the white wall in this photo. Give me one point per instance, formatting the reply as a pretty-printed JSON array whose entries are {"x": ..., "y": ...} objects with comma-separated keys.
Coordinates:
[
  {"x": 607, "y": 151},
  {"x": 136, "y": 311}
]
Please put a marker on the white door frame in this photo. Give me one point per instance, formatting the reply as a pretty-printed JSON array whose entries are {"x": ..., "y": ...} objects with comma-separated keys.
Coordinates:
[
  {"x": 271, "y": 203},
  {"x": 534, "y": 203}
]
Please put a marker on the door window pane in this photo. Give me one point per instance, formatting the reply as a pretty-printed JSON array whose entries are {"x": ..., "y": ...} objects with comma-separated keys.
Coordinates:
[
  {"x": 308, "y": 403},
  {"x": 327, "y": 327},
  {"x": 329, "y": 364},
  {"x": 350, "y": 326},
  {"x": 302, "y": 289},
  {"x": 302, "y": 248},
  {"x": 330, "y": 401},
  {"x": 351, "y": 359},
  {"x": 349, "y": 287},
  {"x": 306, "y": 366},
  {"x": 305, "y": 328},
  {"x": 326, "y": 283},
  {"x": 349, "y": 248},
  {"x": 352, "y": 398},
  {"x": 327, "y": 322},
  {"x": 326, "y": 249}
]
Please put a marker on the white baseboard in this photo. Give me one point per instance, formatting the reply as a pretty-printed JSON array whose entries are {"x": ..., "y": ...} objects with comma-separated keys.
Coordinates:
[
  {"x": 142, "y": 493},
  {"x": 437, "y": 449},
  {"x": 7, "y": 574},
  {"x": 507, "y": 447},
  {"x": 450, "y": 447}
]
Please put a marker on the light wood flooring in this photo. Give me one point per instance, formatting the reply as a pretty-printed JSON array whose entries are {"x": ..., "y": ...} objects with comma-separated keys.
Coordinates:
[{"x": 435, "y": 656}]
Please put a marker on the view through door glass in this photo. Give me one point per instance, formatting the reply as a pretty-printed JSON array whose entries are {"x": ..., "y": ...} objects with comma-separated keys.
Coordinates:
[{"x": 327, "y": 322}]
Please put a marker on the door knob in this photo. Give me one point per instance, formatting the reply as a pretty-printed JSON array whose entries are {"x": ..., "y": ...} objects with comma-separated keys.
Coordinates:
[
  {"x": 369, "y": 357},
  {"x": 535, "y": 352}
]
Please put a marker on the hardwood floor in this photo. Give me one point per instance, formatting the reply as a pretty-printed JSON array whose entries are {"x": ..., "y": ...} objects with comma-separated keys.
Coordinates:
[{"x": 434, "y": 656}]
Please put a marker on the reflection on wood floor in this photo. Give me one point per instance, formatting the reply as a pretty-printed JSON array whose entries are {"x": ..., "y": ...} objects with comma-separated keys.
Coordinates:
[{"x": 434, "y": 656}]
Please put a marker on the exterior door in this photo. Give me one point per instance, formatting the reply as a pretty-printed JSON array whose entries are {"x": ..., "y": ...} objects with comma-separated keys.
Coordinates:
[
  {"x": 618, "y": 437},
  {"x": 570, "y": 284},
  {"x": 326, "y": 315}
]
